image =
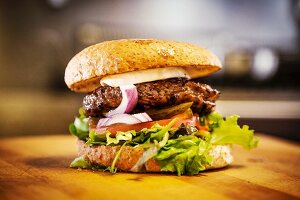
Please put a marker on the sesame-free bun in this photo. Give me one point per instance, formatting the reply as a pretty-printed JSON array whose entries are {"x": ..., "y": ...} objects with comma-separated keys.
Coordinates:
[
  {"x": 103, "y": 156},
  {"x": 84, "y": 71}
]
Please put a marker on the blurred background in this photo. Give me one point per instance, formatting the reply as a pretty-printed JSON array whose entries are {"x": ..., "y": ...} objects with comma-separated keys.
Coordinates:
[{"x": 257, "y": 41}]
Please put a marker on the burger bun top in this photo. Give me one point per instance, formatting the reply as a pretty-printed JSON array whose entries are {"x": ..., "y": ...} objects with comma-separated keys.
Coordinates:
[{"x": 88, "y": 67}]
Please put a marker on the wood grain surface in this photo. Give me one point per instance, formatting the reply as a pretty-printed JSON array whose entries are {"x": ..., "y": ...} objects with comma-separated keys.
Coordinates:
[{"x": 37, "y": 168}]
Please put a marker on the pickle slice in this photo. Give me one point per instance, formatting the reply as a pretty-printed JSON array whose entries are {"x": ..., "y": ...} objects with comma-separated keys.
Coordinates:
[{"x": 165, "y": 113}]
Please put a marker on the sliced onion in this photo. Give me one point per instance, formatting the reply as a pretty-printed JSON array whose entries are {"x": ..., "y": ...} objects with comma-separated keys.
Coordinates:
[
  {"x": 122, "y": 119},
  {"x": 129, "y": 100},
  {"x": 143, "y": 117},
  {"x": 102, "y": 122}
]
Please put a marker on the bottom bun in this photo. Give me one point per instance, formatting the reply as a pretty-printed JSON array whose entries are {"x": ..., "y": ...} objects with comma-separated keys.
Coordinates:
[{"x": 104, "y": 155}]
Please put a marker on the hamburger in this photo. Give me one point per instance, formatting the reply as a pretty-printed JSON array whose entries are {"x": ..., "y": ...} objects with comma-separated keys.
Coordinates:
[{"x": 142, "y": 111}]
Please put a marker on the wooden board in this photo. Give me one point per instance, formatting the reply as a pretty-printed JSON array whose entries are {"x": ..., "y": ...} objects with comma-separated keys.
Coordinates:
[{"x": 37, "y": 168}]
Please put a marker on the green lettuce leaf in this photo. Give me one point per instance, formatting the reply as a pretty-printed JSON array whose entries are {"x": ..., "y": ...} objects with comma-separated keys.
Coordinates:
[
  {"x": 229, "y": 132},
  {"x": 80, "y": 162},
  {"x": 185, "y": 155},
  {"x": 120, "y": 136},
  {"x": 213, "y": 120},
  {"x": 96, "y": 139},
  {"x": 158, "y": 136},
  {"x": 80, "y": 127},
  {"x": 143, "y": 137},
  {"x": 190, "y": 154},
  {"x": 160, "y": 139}
]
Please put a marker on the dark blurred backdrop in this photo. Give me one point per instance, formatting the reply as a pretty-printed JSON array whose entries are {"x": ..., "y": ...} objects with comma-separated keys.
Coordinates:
[{"x": 257, "y": 41}]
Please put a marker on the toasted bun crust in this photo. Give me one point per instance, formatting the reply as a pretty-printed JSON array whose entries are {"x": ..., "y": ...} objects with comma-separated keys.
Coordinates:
[
  {"x": 104, "y": 155},
  {"x": 85, "y": 69}
]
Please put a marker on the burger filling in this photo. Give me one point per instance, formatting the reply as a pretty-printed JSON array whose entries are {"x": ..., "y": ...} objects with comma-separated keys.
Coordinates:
[
  {"x": 173, "y": 120},
  {"x": 157, "y": 94}
]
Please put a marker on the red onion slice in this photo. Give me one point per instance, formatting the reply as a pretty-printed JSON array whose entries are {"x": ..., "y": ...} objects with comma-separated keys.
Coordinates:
[
  {"x": 123, "y": 119},
  {"x": 102, "y": 122},
  {"x": 129, "y": 101},
  {"x": 143, "y": 117}
]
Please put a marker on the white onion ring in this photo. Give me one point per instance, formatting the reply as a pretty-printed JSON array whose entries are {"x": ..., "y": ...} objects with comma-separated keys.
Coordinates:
[
  {"x": 129, "y": 101},
  {"x": 102, "y": 122},
  {"x": 124, "y": 119},
  {"x": 143, "y": 117}
]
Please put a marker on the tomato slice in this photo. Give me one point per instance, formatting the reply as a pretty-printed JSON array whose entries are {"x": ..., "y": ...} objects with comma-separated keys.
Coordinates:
[{"x": 203, "y": 128}]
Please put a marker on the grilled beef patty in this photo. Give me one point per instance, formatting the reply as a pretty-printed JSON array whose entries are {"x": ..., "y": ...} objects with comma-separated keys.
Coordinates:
[{"x": 154, "y": 95}]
